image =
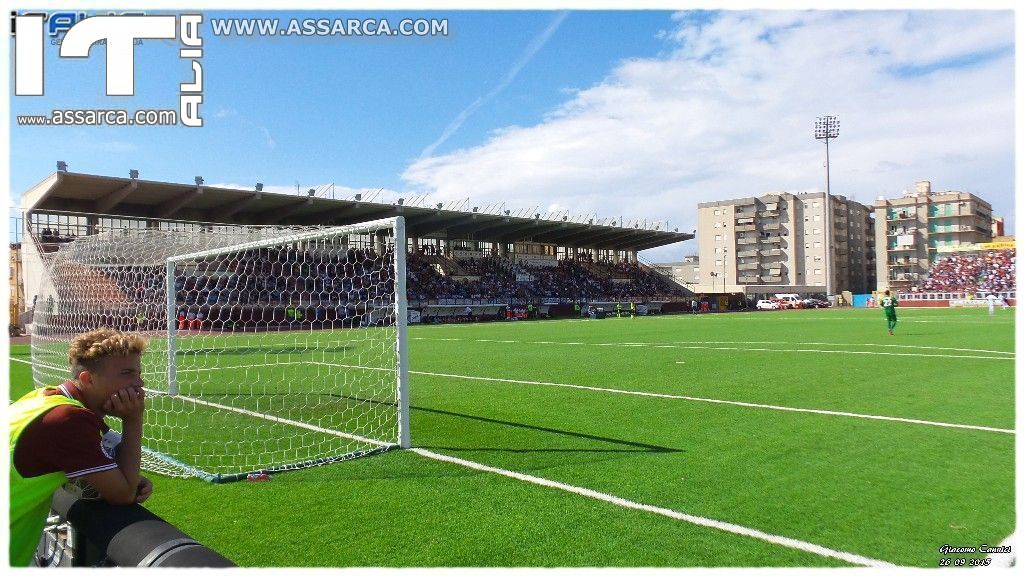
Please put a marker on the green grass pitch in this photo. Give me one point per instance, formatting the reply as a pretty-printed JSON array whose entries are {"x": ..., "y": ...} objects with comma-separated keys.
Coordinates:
[{"x": 556, "y": 400}]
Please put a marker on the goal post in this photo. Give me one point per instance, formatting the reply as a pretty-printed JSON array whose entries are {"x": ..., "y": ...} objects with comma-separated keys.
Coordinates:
[{"x": 271, "y": 348}]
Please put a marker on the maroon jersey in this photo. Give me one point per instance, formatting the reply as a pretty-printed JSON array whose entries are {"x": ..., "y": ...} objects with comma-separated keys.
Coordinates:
[{"x": 66, "y": 439}]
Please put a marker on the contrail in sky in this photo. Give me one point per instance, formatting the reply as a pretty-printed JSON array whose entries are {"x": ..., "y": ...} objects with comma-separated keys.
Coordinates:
[{"x": 535, "y": 45}]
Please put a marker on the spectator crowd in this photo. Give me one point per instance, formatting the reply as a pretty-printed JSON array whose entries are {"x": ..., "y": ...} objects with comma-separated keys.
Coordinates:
[{"x": 982, "y": 272}]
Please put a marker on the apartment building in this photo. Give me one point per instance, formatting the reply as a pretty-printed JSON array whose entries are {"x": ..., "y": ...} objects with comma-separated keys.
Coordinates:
[
  {"x": 686, "y": 271},
  {"x": 778, "y": 241},
  {"x": 913, "y": 230}
]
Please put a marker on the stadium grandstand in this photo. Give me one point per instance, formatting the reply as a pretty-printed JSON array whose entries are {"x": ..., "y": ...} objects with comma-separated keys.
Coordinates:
[
  {"x": 499, "y": 265},
  {"x": 967, "y": 276}
]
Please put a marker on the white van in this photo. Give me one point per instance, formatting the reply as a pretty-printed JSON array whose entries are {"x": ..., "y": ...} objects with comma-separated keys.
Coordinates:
[{"x": 787, "y": 301}]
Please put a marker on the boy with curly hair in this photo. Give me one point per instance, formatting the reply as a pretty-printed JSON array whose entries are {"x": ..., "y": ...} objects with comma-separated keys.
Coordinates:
[{"x": 58, "y": 433}]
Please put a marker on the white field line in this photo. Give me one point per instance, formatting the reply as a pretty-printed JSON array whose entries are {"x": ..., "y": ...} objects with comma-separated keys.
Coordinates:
[
  {"x": 735, "y": 348},
  {"x": 1004, "y": 560},
  {"x": 908, "y": 346},
  {"x": 644, "y": 394},
  {"x": 279, "y": 420},
  {"x": 675, "y": 515},
  {"x": 729, "y": 402}
]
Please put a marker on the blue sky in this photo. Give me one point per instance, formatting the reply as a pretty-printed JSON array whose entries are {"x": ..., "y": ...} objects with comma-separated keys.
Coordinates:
[
  {"x": 350, "y": 111},
  {"x": 640, "y": 114}
]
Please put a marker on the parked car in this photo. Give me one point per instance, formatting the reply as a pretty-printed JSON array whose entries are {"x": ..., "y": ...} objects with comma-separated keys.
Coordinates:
[{"x": 767, "y": 305}]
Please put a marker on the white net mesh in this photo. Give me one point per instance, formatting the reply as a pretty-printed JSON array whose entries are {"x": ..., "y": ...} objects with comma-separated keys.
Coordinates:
[{"x": 281, "y": 351}]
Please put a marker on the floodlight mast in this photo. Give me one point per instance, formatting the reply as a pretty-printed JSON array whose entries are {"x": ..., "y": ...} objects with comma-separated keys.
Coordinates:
[{"x": 826, "y": 128}]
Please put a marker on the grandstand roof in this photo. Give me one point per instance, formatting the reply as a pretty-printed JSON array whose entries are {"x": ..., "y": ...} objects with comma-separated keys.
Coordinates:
[{"x": 71, "y": 192}]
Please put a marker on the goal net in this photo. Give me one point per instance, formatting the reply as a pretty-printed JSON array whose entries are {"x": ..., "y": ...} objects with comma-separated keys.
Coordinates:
[{"x": 270, "y": 348}]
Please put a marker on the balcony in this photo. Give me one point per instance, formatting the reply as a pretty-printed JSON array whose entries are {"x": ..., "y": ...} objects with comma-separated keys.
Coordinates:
[
  {"x": 744, "y": 218},
  {"x": 771, "y": 252},
  {"x": 773, "y": 279},
  {"x": 745, "y": 228},
  {"x": 901, "y": 216},
  {"x": 747, "y": 254},
  {"x": 771, "y": 226},
  {"x": 902, "y": 232},
  {"x": 748, "y": 279},
  {"x": 745, "y": 241},
  {"x": 771, "y": 240},
  {"x": 748, "y": 266}
]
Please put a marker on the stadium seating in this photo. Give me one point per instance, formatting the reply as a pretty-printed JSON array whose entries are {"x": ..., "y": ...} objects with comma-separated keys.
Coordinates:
[
  {"x": 276, "y": 288},
  {"x": 981, "y": 272}
]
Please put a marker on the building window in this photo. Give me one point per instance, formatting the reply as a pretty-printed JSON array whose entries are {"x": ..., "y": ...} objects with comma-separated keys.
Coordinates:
[
  {"x": 718, "y": 237},
  {"x": 718, "y": 250},
  {"x": 817, "y": 244},
  {"x": 816, "y": 204},
  {"x": 718, "y": 212},
  {"x": 718, "y": 224},
  {"x": 817, "y": 217},
  {"x": 816, "y": 231},
  {"x": 817, "y": 270},
  {"x": 718, "y": 262}
]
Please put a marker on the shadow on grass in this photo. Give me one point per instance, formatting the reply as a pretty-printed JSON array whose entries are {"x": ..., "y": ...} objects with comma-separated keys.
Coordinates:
[{"x": 628, "y": 446}]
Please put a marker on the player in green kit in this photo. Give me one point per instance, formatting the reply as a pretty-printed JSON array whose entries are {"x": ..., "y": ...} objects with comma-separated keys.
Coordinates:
[{"x": 889, "y": 304}]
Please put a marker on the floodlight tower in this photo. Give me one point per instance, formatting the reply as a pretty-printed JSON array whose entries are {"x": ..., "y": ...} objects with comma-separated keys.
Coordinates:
[{"x": 826, "y": 128}]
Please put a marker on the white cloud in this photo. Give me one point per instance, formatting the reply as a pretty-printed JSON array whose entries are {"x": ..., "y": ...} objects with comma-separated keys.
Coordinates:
[{"x": 729, "y": 112}]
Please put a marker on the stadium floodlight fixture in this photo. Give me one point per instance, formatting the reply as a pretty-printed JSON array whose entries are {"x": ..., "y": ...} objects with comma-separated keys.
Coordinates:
[
  {"x": 259, "y": 186},
  {"x": 199, "y": 180},
  {"x": 133, "y": 174},
  {"x": 507, "y": 212},
  {"x": 311, "y": 192},
  {"x": 359, "y": 197},
  {"x": 564, "y": 218},
  {"x": 536, "y": 216},
  {"x": 476, "y": 208},
  {"x": 826, "y": 128},
  {"x": 440, "y": 205},
  {"x": 62, "y": 166},
  {"x": 401, "y": 201}
]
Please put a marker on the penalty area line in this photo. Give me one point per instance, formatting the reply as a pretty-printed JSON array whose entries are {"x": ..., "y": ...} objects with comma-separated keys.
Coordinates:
[{"x": 669, "y": 513}]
